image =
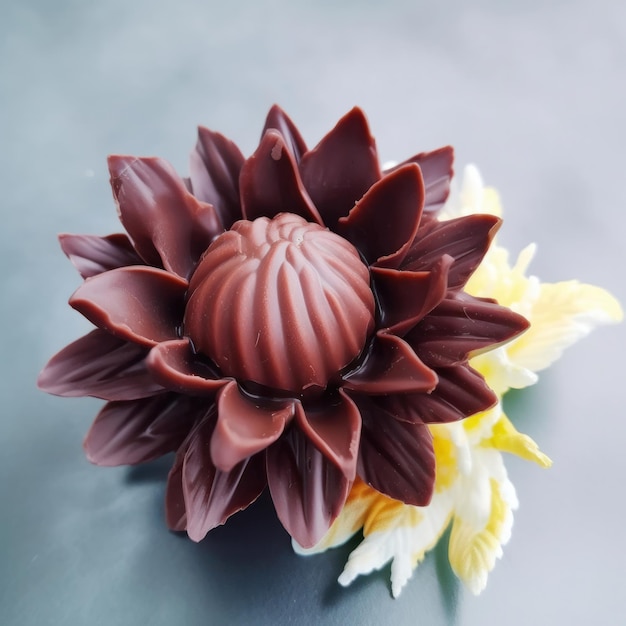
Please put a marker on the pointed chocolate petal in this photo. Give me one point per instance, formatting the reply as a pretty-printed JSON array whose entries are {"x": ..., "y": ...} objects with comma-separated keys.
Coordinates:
[
  {"x": 437, "y": 171},
  {"x": 460, "y": 392},
  {"x": 396, "y": 457},
  {"x": 175, "y": 514},
  {"x": 244, "y": 427},
  {"x": 127, "y": 433},
  {"x": 214, "y": 168},
  {"x": 140, "y": 304},
  {"x": 466, "y": 239},
  {"x": 270, "y": 183},
  {"x": 168, "y": 226},
  {"x": 102, "y": 366},
  {"x": 175, "y": 366},
  {"x": 385, "y": 220},
  {"x": 406, "y": 297},
  {"x": 341, "y": 168},
  {"x": 461, "y": 327},
  {"x": 93, "y": 255},
  {"x": 280, "y": 121},
  {"x": 335, "y": 430},
  {"x": 308, "y": 490},
  {"x": 212, "y": 496},
  {"x": 391, "y": 366}
]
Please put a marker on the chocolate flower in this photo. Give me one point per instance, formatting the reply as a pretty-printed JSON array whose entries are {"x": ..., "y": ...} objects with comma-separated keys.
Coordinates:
[{"x": 292, "y": 320}]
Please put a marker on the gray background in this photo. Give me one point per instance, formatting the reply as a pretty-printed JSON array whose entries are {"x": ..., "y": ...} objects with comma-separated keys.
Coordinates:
[{"x": 533, "y": 92}]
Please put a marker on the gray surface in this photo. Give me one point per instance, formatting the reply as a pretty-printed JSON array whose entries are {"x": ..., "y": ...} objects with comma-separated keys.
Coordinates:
[{"x": 532, "y": 92}]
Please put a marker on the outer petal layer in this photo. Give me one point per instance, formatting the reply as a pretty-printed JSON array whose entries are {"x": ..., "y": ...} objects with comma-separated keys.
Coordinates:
[
  {"x": 140, "y": 304},
  {"x": 396, "y": 458},
  {"x": 93, "y": 255},
  {"x": 214, "y": 169},
  {"x": 174, "y": 364},
  {"x": 270, "y": 182},
  {"x": 166, "y": 223},
  {"x": 383, "y": 223},
  {"x": 341, "y": 168},
  {"x": 244, "y": 428},
  {"x": 390, "y": 367},
  {"x": 308, "y": 490},
  {"x": 212, "y": 496},
  {"x": 466, "y": 239},
  {"x": 126, "y": 433},
  {"x": 102, "y": 366},
  {"x": 335, "y": 430}
]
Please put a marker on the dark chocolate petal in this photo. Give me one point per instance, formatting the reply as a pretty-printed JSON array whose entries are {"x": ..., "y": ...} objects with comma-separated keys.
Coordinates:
[
  {"x": 169, "y": 227},
  {"x": 212, "y": 496},
  {"x": 391, "y": 366},
  {"x": 437, "y": 171},
  {"x": 405, "y": 297},
  {"x": 341, "y": 168},
  {"x": 102, "y": 366},
  {"x": 175, "y": 514},
  {"x": 126, "y": 433},
  {"x": 93, "y": 255},
  {"x": 460, "y": 392},
  {"x": 384, "y": 222},
  {"x": 465, "y": 239},
  {"x": 307, "y": 489},
  {"x": 175, "y": 366},
  {"x": 270, "y": 182},
  {"x": 214, "y": 168},
  {"x": 335, "y": 430},
  {"x": 245, "y": 427},
  {"x": 463, "y": 326},
  {"x": 140, "y": 304},
  {"x": 280, "y": 121},
  {"x": 395, "y": 457}
]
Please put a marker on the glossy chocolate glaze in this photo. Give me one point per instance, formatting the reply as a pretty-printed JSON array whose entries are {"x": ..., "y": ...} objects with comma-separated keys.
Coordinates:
[{"x": 288, "y": 320}]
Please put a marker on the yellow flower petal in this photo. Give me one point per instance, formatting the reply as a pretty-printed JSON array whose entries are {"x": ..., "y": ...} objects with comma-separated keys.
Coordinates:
[
  {"x": 563, "y": 313},
  {"x": 507, "y": 439},
  {"x": 473, "y": 554}
]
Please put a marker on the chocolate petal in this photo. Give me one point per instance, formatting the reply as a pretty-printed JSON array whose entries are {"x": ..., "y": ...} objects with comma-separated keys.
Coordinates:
[
  {"x": 175, "y": 514},
  {"x": 127, "y": 433},
  {"x": 341, "y": 168},
  {"x": 437, "y": 171},
  {"x": 466, "y": 239},
  {"x": 175, "y": 366},
  {"x": 460, "y": 392},
  {"x": 280, "y": 121},
  {"x": 405, "y": 297},
  {"x": 391, "y": 366},
  {"x": 214, "y": 169},
  {"x": 395, "y": 457},
  {"x": 307, "y": 489},
  {"x": 385, "y": 220},
  {"x": 270, "y": 183},
  {"x": 212, "y": 496},
  {"x": 244, "y": 427},
  {"x": 140, "y": 304},
  {"x": 463, "y": 326},
  {"x": 168, "y": 226},
  {"x": 102, "y": 366},
  {"x": 335, "y": 430},
  {"x": 93, "y": 255}
]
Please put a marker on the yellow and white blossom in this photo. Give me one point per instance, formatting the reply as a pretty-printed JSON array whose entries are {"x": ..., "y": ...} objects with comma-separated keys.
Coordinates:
[{"x": 472, "y": 490}]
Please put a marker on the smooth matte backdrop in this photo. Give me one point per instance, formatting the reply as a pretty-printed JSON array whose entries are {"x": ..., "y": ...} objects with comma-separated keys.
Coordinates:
[{"x": 532, "y": 92}]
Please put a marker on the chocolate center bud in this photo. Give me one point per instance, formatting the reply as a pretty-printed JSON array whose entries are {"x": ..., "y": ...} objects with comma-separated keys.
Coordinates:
[{"x": 283, "y": 303}]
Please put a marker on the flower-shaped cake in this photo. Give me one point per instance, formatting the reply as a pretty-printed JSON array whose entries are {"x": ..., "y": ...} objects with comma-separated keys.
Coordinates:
[{"x": 293, "y": 319}]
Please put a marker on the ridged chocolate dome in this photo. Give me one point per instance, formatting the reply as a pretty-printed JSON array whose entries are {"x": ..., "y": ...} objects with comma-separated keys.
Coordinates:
[{"x": 280, "y": 302}]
